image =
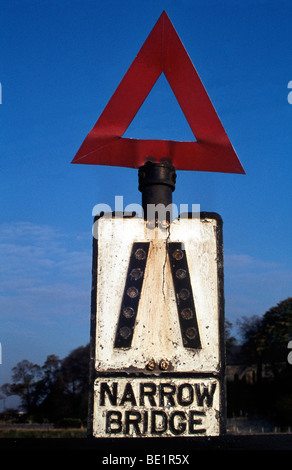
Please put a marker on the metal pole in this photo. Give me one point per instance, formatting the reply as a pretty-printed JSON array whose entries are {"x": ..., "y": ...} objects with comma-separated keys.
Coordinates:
[{"x": 156, "y": 183}]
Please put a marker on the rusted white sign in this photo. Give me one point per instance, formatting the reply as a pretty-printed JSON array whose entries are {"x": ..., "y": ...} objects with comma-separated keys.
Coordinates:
[{"x": 157, "y": 312}]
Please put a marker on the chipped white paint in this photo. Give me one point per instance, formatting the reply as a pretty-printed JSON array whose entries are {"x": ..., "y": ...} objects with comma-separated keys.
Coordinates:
[
  {"x": 157, "y": 332},
  {"x": 153, "y": 404}
]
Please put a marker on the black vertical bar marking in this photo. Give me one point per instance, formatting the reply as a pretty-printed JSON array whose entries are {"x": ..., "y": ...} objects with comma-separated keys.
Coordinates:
[
  {"x": 184, "y": 295},
  {"x": 132, "y": 294}
]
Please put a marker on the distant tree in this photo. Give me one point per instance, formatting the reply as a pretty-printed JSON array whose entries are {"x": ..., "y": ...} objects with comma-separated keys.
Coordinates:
[
  {"x": 65, "y": 386},
  {"x": 53, "y": 405},
  {"x": 75, "y": 370},
  {"x": 5, "y": 392},
  {"x": 265, "y": 339},
  {"x": 75, "y": 375},
  {"x": 50, "y": 373},
  {"x": 230, "y": 340},
  {"x": 25, "y": 376},
  {"x": 56, "y": 390},
  {"x": 276, "y": 332}
]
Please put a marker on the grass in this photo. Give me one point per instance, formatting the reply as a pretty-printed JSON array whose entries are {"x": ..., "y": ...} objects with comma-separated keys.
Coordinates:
[{"x": 42, "y": 433}]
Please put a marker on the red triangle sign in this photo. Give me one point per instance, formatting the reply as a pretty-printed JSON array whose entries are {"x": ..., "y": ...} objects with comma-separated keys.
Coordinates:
[{"x": 164, "y": 52}]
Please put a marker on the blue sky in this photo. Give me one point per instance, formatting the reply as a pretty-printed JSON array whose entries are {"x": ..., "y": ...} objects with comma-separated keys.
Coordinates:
[{"x": 61, "y": 61}]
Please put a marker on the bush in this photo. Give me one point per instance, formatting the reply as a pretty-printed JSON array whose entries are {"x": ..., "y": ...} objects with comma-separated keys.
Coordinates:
[{"x": 283, "y": 410}]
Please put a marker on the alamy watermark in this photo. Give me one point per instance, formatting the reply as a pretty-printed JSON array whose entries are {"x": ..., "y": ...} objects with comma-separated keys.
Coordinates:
[
  {"x": 0, "y": 93},
  {"x": 157, "y": 219},
  {"x": 289, "y": 97},
  {"x": 0, "y": 353}
]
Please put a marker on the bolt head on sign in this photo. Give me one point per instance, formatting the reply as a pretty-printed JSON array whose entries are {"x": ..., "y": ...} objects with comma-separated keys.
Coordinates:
[{"x": 157, "y": 317}]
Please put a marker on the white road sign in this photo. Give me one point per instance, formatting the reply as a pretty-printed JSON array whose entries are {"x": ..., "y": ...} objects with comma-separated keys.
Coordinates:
[{"x": 157, "y": 308}]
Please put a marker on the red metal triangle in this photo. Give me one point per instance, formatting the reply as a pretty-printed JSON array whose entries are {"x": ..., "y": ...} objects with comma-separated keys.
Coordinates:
[{"x": 162, "y": 52}]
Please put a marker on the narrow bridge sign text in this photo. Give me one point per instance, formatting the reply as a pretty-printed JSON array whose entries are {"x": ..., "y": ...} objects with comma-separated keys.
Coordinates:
[{"x": 156, "y": 407}]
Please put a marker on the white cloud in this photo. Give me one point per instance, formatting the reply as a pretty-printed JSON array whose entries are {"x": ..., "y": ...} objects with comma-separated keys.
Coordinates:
[
  {"x": 244, "y": 261},
  {"x": 43, "y": 271}
]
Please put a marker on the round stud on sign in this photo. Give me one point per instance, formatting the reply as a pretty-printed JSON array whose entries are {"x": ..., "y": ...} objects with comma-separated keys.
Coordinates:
[
  {"x": 128, "y": 312},
  {"x": 178, "y": 254},
  {"x": 187, "y": 313},
  {"x": 136, "y": 273},
  {"x": 125, "y": 332},
  {"x": 163, "y": 365},
  {"x": 150, "y": 365},
  {"x": 191, "y": 333},
  {"x": 181, "y": 273},
  {"x": 132, "y": 292},
  {"x": 140, "y": 254},
  {"x": 184, "y": 294}
]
